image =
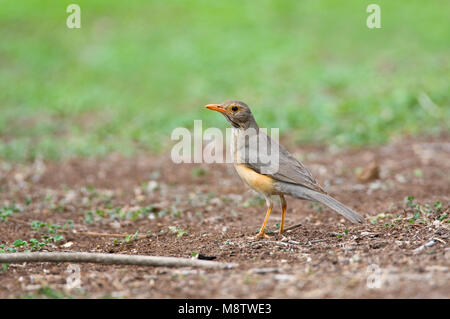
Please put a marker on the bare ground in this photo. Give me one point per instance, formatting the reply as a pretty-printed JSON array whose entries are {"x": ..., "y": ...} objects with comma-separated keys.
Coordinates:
[{"x": 401, "y": 251}]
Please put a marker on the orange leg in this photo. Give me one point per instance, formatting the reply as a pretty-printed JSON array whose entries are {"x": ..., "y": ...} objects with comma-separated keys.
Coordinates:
[
  {"x": 283, "y": 212},
  {"x": 261, "y": 233}
]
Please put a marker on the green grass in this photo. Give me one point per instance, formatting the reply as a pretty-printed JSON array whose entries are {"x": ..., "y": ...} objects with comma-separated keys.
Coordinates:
[{"x": 138, "y": 69}]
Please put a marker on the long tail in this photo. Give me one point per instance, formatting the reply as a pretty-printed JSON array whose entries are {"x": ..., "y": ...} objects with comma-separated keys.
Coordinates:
[{"x": 309, "y": 194}]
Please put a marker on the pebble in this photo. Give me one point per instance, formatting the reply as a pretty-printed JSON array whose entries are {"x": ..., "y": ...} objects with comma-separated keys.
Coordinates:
[
  {"x": 152, "y": 186},
  {"x": 284, "y": 277},
  {"x": 68, "y": 244}
]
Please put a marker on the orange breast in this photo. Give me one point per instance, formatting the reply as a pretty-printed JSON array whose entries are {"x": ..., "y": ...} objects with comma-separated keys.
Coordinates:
[{"x": 260, "y": 183}]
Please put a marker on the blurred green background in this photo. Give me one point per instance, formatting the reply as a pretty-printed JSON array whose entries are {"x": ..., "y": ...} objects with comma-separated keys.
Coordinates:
[{"x": 138, "y": 69}]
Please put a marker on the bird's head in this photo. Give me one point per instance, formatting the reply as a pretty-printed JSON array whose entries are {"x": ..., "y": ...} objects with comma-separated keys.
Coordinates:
[{"x": 236, "y": 112}]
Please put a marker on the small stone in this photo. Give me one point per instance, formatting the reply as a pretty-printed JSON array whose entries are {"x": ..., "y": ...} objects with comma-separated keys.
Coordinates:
[
  {"x": 369, "y": 173},
  {"x": 284, "y": 277},
  {"x": 68, "y": 244},
  {"x": 152, "y": 186},
  {"x": 115, "y": 224},
  {"x": 400, "y": 178}
]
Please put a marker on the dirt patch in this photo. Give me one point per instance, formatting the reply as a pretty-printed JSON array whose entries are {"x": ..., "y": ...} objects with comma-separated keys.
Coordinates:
[{"x": 401, "y": 251}]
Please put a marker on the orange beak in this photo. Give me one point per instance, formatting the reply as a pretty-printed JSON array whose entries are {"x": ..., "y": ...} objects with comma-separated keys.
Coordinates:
[{"x": 216, "y": 107}]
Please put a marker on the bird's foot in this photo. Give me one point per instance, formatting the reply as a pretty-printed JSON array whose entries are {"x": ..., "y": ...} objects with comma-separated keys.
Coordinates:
[{"x": 261, "y": 235}]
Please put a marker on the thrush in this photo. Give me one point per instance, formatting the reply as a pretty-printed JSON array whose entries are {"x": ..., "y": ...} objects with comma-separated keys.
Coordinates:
[{"x": 288, "y": 177}]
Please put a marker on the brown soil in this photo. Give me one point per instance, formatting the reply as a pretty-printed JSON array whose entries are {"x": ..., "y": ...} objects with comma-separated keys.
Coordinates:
[{"x": 207, "y": 209}]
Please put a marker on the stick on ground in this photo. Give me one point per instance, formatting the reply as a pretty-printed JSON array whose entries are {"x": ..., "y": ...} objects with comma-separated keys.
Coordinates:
[
  {"x": 111, "y": 259},
  {"x": 292, "y": 227}
]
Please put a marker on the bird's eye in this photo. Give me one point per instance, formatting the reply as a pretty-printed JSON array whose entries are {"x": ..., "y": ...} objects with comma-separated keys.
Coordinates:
[{"x": 234, "y": 108}]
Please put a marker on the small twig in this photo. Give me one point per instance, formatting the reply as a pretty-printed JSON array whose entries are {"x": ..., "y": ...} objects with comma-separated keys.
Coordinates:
[
  {"x": 428, "y": 244},
  {"x": 316, "y": 241},
  {"x": 438, "y": 239},
  {"x": 111, "y": 259},
  {"x": 292, "y": 227}
]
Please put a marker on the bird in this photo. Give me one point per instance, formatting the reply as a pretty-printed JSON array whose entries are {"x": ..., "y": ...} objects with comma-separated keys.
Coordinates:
[{"x": 289, "y": 178}]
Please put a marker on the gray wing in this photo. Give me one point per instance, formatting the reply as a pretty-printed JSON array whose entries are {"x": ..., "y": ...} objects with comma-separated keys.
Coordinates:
[{"x": 290, "y": 170}]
